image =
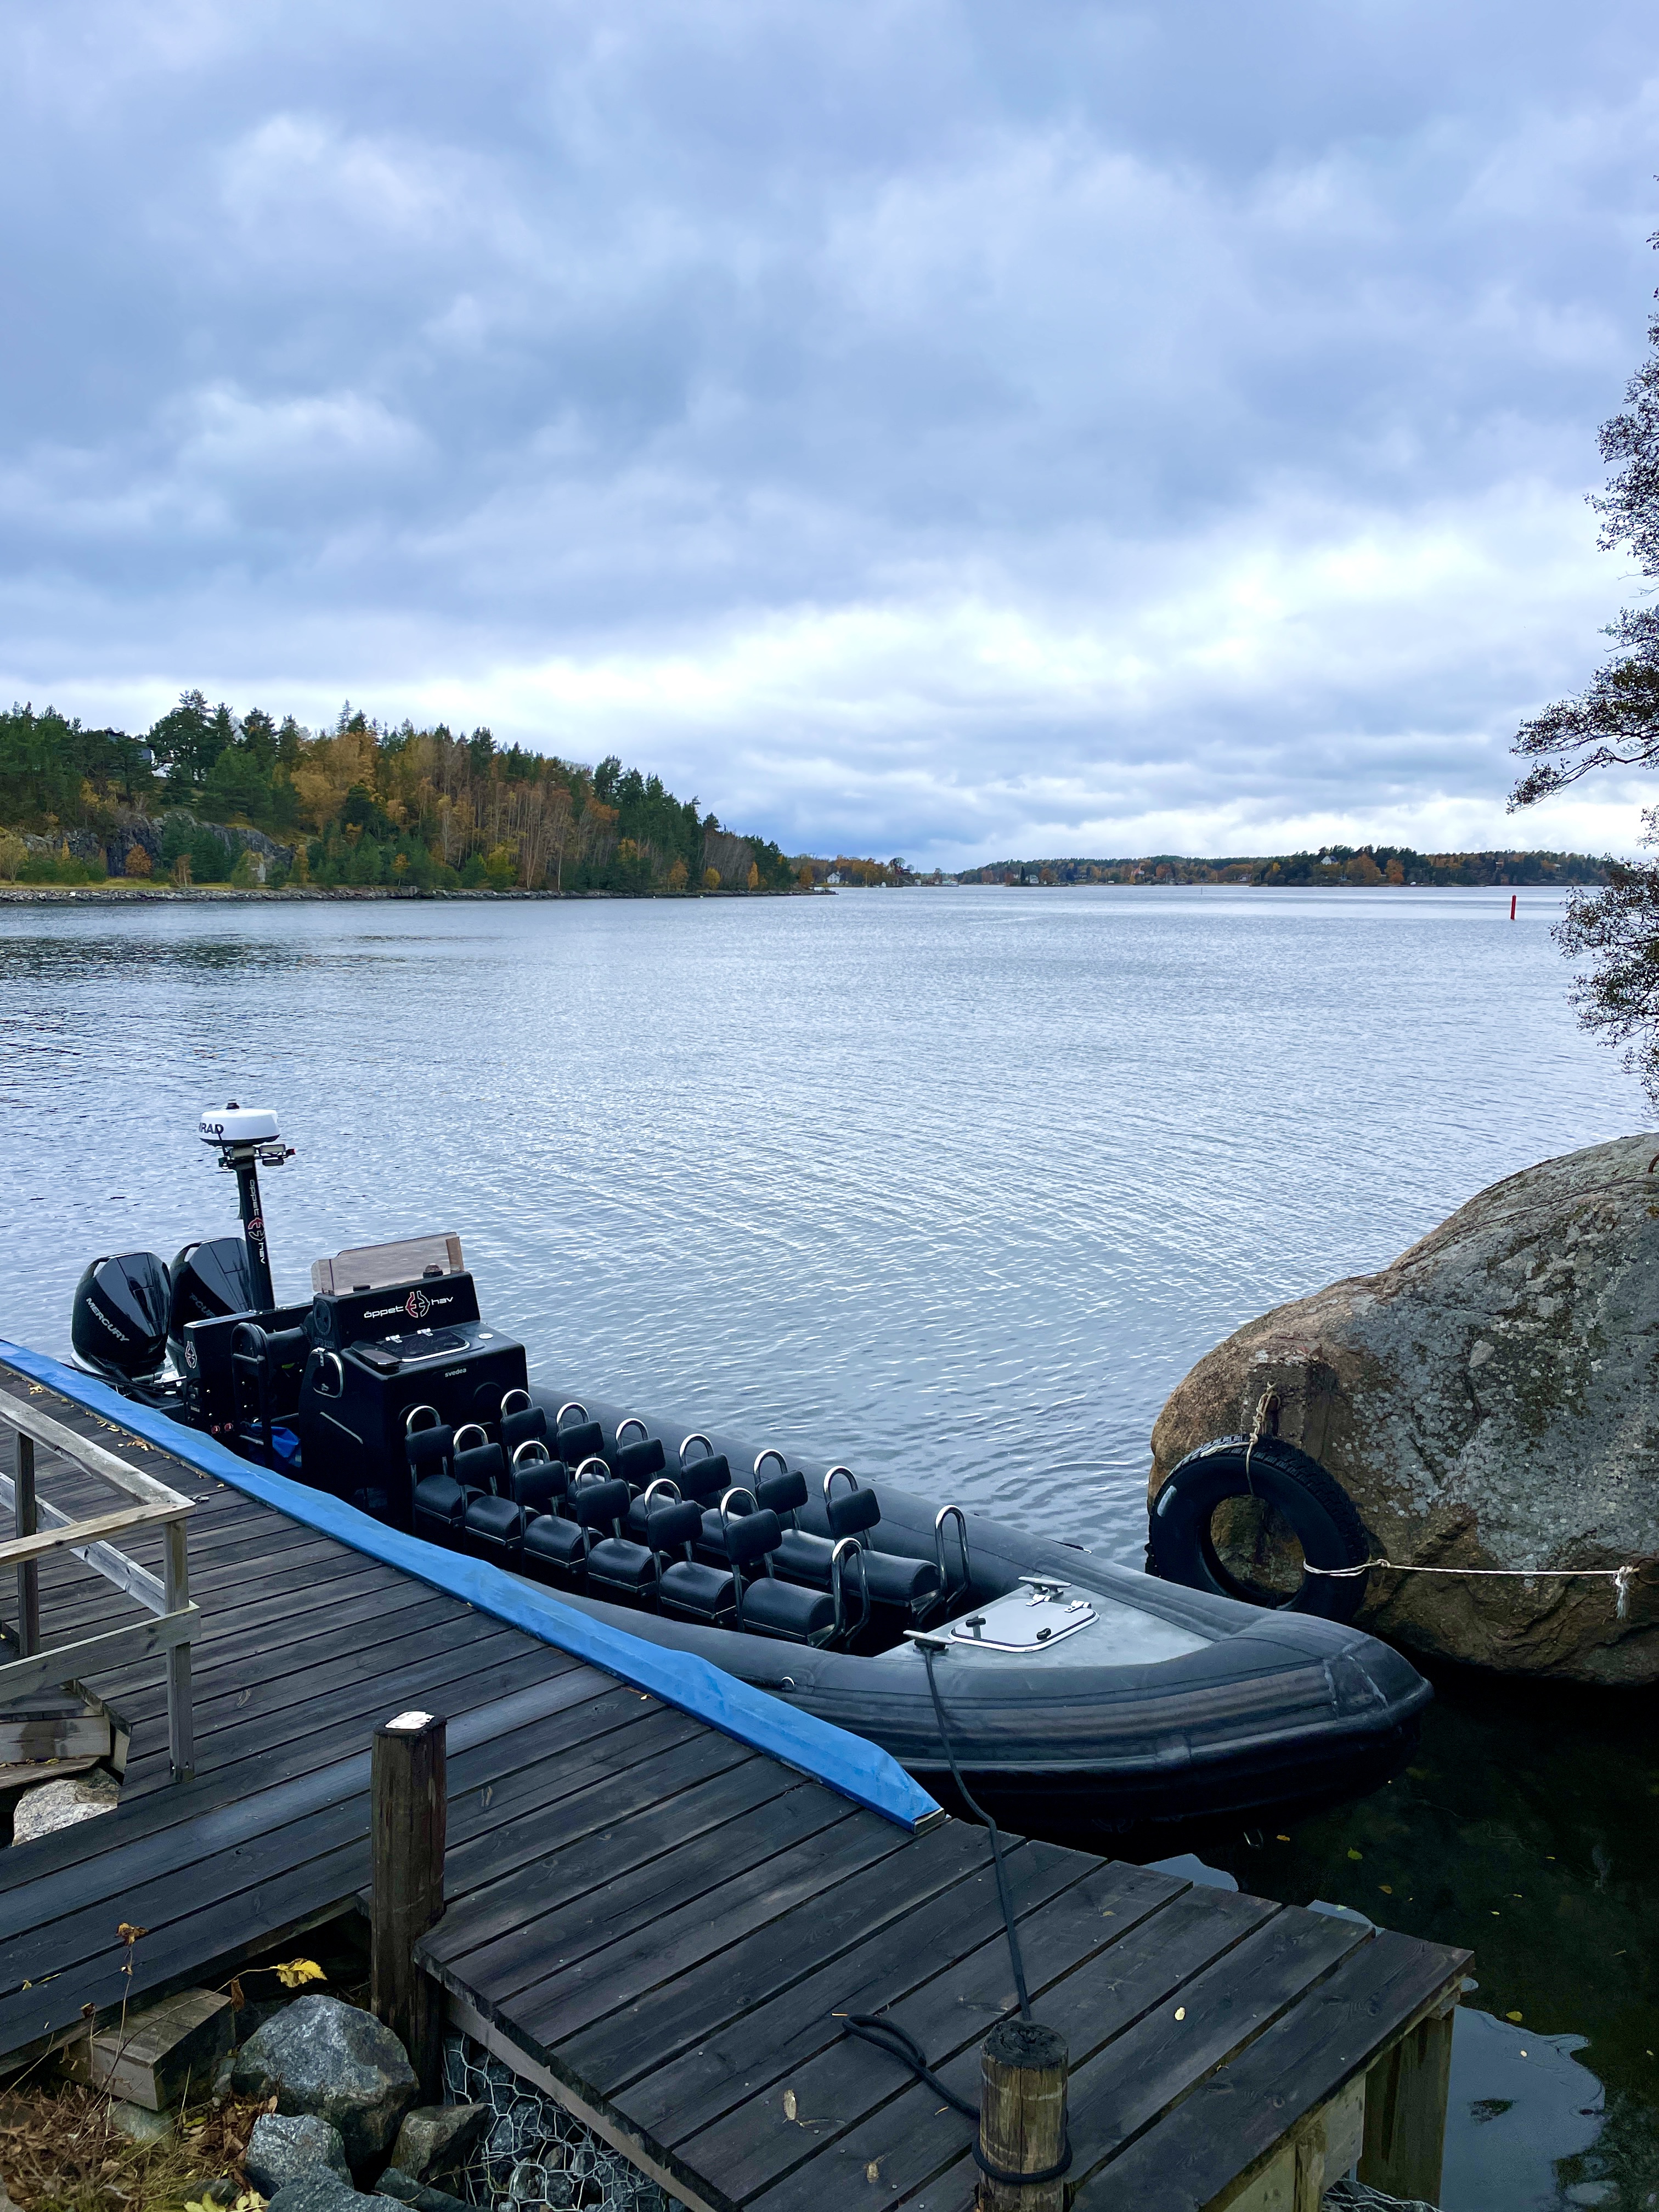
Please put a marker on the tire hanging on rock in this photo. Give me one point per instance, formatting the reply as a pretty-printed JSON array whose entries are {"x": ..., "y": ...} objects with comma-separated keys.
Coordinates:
[{"x": 1320, "y": 1513}]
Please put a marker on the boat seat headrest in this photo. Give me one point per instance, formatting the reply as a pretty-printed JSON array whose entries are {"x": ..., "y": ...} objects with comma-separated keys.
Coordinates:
[
  {"x": 671, "y": 1524},
  {"x": 706, "y": 1478},
  {"x": 522, "y": 1425},
  {"x": 750, "y": 1536},
  {"x": 581, "y": 1440},
  {"x": 637, "y": 1462},
  {"x": 430, "y": 1447},
  {"x": 596, "y": 1503},
  {"x": 782, "y": 1493},
  {"x": 852, "y": 1511},
  {"x": 481, "y": 1467}
]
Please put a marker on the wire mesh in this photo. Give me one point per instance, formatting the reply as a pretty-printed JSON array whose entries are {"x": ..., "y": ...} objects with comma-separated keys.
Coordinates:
[{"x": 533, "y": 2152}]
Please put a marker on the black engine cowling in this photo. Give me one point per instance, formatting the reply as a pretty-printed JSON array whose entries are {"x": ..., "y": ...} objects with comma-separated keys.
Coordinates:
[
  {"x": 118, "y": 1324},
  {"x": 209, "y": 1281}
]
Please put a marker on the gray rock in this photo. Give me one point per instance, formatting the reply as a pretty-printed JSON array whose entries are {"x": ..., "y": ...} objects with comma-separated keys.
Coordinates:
[
  {"x": 323, "y": 2193},
  {"x": 138, "y": 2123},
  {"x": 1486, "y": 1401},
  {"x": 321, "y": 2056},
  {"x": 419, "y": 2194},
  {"x": 283, "y": 2149},
  {"x": 436, "y": 2137},
  {"x": 53, "y": 1805}
]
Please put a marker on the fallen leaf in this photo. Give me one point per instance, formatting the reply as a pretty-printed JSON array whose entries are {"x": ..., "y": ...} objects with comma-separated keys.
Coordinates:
[
  {"x": 1281, "y": 1840},
  {"x": 790, "y": 2107},
  {"x": 1512, "y": 2015},
  {"x": 872, "y": 2171},
  {"x": 1181, "y": 2012},
  {"x": 1354, "y": 1854},
  {"x": 294, "y": 1973},
  {"x": 1387, "y": 1888}
]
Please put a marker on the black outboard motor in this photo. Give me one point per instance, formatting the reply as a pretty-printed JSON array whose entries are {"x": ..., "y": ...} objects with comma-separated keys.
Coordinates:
[
  {"x": 209, "y": 1281},
  {"x": 118, "y": 1325}
]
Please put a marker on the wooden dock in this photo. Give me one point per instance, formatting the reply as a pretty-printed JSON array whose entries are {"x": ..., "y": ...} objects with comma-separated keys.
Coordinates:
[{"x": 663, "y": 1927}]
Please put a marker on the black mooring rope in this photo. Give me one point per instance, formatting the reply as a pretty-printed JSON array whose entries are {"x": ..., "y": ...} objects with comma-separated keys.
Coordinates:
[{"x": 887, "y": 2035}]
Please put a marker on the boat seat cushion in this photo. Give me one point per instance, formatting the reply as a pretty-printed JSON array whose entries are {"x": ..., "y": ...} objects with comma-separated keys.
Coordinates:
[
  {"x": 494, "y": 1530},
  {"x": 600, "y": 1504},
  {"x": 803, "y": 1558},
  {"x": 750, "y": 1536},
  {"x": 782, "y": 1493},
  {"x": 622, "y": 1565},
  {"x": 440, "y": 1507},
  {"x": 553, "y": 1549},
  {"x": 669, "y": 1526},
  {"x": 428, "y": 1449},
  {"x": 698, "y": 1592},
  {"x": 894, "y": 1581},
  {"x": 787, "y": 1611}
]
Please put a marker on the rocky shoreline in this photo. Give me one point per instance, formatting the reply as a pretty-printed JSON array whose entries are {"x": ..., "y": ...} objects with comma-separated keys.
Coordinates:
[{"x": 131, "y": 893}]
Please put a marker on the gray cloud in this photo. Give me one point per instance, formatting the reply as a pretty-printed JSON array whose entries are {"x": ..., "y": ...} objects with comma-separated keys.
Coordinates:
[{"x": 936, "y": 428}]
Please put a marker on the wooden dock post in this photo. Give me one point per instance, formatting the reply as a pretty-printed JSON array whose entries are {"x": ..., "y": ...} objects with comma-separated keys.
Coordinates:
[
  {"x": 1022, "y": 2116},
  {"x": 1405, "y": 2096},
  {"x": 408, "y": 1794}
]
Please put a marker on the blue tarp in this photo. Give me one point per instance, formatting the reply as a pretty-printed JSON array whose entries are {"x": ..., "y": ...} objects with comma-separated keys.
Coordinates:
[{"x": 857, "y": 1770}]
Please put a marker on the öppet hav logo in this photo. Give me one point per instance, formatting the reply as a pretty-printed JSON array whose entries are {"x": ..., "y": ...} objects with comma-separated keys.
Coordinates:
[{"x": 417, "y": 1306}]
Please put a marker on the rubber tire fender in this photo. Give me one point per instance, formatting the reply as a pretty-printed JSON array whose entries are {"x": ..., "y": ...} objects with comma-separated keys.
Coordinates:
[{"x": 1317, "y": 1506}]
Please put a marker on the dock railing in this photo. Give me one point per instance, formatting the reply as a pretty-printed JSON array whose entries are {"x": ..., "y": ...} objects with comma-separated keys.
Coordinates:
[{"x": 43, "y": 1528}]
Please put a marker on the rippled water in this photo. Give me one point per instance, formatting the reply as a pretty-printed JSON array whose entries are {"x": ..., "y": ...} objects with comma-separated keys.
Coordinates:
[{"x": 955, "y": 1184}]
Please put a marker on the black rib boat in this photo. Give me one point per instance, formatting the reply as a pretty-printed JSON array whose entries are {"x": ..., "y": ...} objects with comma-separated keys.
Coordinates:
[{"x": 1078, "y": 1696}]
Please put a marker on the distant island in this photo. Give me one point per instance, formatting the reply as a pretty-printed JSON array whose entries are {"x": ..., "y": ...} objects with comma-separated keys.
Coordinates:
[{"x": 1332, "y": 864}]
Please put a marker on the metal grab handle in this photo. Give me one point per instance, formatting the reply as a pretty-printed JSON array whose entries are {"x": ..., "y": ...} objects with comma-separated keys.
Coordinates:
[
  {"x": 593, "y": 1460},
  {"x": 771, "y": 1452},
  {"x": 531, "y": 1452},
  {"x": 570, "y": 1406},
  {"x": 697, "y": 1437},
  {"x": 836, "y": 1572},
  {"x": 515, "y": 1402},
  {"x": 662, "y": 1482},
  {"x": 829, "y": 1480},
  {"x": 631, "y": 1421},
  {"x": 469, "y": 1429},
  {"x": 414, "y": 1425},
  {"x": 738, "y": 1490},
  {"x": 948, "y": 1513}
]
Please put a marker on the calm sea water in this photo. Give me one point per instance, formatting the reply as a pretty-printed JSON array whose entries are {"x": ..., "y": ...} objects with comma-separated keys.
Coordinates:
[{"x": 955, "y": 1184}]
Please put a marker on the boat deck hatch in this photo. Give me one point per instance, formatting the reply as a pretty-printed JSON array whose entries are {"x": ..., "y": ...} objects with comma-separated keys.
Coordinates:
[{"x": 1027, "y": 1619}]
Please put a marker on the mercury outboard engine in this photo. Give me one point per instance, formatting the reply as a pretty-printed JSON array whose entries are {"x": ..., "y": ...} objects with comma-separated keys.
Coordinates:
[
  {"x": 208, "y": 1280},
  {"x": 118, "y": 1325}
]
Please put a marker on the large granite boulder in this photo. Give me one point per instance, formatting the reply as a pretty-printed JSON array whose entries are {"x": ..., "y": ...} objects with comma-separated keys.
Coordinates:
[
  {"x": 300, "y": 2147},
  {"x": 1490, "y": 1399},
  {"x": 318, "y": 2056}
]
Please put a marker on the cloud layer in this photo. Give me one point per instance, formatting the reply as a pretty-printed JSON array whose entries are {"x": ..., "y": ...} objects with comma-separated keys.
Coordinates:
[{"x": 946, "y": 429}]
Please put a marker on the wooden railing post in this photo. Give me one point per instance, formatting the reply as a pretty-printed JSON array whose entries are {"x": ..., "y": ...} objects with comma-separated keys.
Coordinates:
[
  {"x": 181, "y": 1719},
  {"x": 1022, "y": 2116},
  {"x": 29, "y": 1571},
  {"x": 408, "y": 1810}
]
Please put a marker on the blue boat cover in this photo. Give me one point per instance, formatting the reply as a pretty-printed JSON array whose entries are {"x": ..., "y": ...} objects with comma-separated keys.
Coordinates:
[{"x": 844, "y": 1763}]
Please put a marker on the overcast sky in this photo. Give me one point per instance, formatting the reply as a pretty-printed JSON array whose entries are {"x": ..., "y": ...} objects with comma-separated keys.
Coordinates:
[{"x": 951, "y": 430}]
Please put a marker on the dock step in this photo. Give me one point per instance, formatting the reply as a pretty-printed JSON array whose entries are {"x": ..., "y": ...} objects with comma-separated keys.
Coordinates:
[{"x": 52, "y": 1726}]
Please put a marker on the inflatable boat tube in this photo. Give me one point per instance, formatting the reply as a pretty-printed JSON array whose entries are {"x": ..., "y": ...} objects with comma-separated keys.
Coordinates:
[
  {"x": 1319, "y": 1511},
  {"x": 1168, "y": 1704}
]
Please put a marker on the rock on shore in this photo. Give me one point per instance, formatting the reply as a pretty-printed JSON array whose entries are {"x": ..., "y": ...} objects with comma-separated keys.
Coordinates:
[{"x": 1490, "y": 1399}]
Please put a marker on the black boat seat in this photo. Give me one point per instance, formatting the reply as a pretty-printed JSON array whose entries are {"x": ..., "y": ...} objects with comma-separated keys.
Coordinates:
[
  {"x": 911, "y": 1585},
  {"x": 637, "y": 1462},
  {"x": 494, "y": 1530},
  {"x": 686, "y": 1589},
  {"x": 705, "y": 1478},
  {"x": 767, "y": 1606},
  {"x": 438, "y": 1502},
  {"x": 554, "y": 1549},
  {"x": 613, "y": 1563},
  {"x": 535, "y": 1481}
]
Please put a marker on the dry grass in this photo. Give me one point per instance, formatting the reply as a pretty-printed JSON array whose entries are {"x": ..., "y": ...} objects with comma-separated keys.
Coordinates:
[{"x": 60, "y": 2151}]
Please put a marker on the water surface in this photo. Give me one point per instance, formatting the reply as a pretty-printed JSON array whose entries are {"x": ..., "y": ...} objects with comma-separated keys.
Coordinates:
[{"x": 955, "y": 1184}]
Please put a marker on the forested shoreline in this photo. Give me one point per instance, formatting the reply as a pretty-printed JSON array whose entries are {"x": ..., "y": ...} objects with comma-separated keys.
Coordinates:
[
  {"x": 206, "y": 795},
  {"x": 1364, "y": 865}
]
